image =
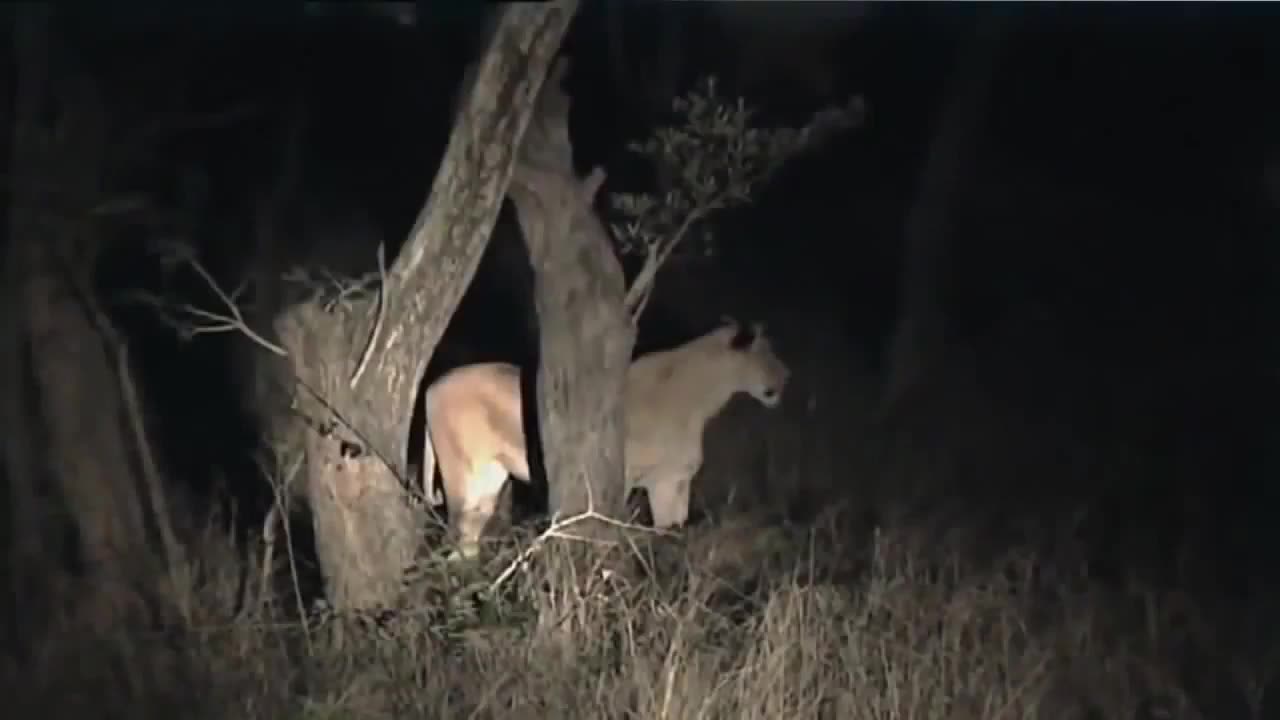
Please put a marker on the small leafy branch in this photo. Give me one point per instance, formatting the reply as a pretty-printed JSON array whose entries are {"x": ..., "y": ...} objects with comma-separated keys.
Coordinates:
[{"x": 715, "y": 159}]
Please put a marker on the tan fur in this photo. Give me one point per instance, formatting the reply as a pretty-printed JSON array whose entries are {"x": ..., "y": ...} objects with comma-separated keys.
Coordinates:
[{"x": 474, "y": 423}]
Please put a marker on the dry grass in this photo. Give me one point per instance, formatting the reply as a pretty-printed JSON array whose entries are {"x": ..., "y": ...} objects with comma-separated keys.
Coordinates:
[
  {"x": 815, "y": 628},
  {"x": 859, "y": 612}
]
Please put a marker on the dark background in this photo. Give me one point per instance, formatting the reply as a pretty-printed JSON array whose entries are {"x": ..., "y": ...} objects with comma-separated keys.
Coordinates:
[{"x": 1108, "y": 300}]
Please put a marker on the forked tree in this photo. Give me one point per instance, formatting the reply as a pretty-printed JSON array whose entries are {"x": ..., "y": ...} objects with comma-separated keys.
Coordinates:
[
  {"x": 353, "y": 353},
  {"x": 358, "y": 359},
  {"x": 713, "y": 160},
  {"x": 584, "y": 336},
  {"x": 359, "y": 362}
]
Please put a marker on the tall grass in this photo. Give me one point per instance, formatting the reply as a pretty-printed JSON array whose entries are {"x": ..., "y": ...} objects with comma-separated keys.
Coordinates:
[
  {"x": 859, "y": 611},
  {"x": 751, "y": 622}
]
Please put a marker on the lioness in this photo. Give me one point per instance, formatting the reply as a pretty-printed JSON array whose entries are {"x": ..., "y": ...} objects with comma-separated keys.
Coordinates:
[{"x": 474, "y": 423}]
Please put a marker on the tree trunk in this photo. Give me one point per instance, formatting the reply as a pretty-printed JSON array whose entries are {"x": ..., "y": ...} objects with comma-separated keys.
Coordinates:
[
  {"x": 359, "y": 412},
  {"x": 921, "y": 334},
  {"x": 31, "y": 544},
  {"x": 59, "y": 143},
  {"x": 585, "y": 335}
]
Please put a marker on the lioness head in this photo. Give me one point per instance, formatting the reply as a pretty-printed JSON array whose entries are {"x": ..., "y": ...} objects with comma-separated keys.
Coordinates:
[{"x": 759, "y": 372}]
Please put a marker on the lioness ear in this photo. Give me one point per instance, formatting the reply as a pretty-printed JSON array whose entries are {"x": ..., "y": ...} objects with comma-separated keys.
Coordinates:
[
  {"x": 741, "y": 338},
  {"x": 729, "y": 328}
]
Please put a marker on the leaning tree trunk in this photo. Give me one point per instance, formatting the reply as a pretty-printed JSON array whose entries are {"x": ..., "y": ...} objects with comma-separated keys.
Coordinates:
[
  {"x": 585, "y": 337},
  {"x": 358, "y": 362},
  {"x": 920, "y": 336},
  {"x": 28, "y": 534},
  {"x": 32, "y": 542},
  {"x": 59, "y": 143}
]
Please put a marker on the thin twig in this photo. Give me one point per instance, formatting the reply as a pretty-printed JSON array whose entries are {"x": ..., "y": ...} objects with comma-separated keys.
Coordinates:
[
  {"x": 214, "y": 322},
  {"x": 150, "y": 468},
  {"x": 278, "y": 510},
  {"x": 281, "y": 498},
  {"x": 642, "y": 287},
  {"x": 174, "y": 557}
]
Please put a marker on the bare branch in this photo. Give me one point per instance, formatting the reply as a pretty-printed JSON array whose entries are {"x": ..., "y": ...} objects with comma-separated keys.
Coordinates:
[
  {"x": 279, "y": 513},
  {"x": 190, "y": 320},
  {"x": 557, "y": 530},
  {"x": 174, "y": 554},
  {"x": 656, "y": 256},
  {"x": 150, "y": 467}
]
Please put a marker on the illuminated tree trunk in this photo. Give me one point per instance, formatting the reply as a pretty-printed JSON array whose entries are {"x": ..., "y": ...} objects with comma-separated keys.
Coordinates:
[
  {"x": 357, "y": 410},
  {"x": 585, "y": 335}
]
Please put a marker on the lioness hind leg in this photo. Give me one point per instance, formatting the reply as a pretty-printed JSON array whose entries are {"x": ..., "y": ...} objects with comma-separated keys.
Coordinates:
[{"x": 484, "y": 488}]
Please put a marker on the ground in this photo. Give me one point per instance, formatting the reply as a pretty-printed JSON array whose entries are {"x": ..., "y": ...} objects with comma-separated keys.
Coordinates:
[{"x": 812, "y": 586}]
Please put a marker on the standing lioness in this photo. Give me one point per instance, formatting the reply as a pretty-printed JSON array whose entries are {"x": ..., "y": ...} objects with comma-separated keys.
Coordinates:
[{"x": 474, "y": 423}]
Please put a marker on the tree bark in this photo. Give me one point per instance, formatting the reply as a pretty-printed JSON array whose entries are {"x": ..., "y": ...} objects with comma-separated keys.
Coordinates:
[
  {"x": 366, "y": 533},
  {"x": 585, "y": 338},
  {"x": 31, "y": 544},
  {"x": 59, "y": 142},
  {"x": 921, "y": 334},
  {"x": 26, "y": 531}
]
